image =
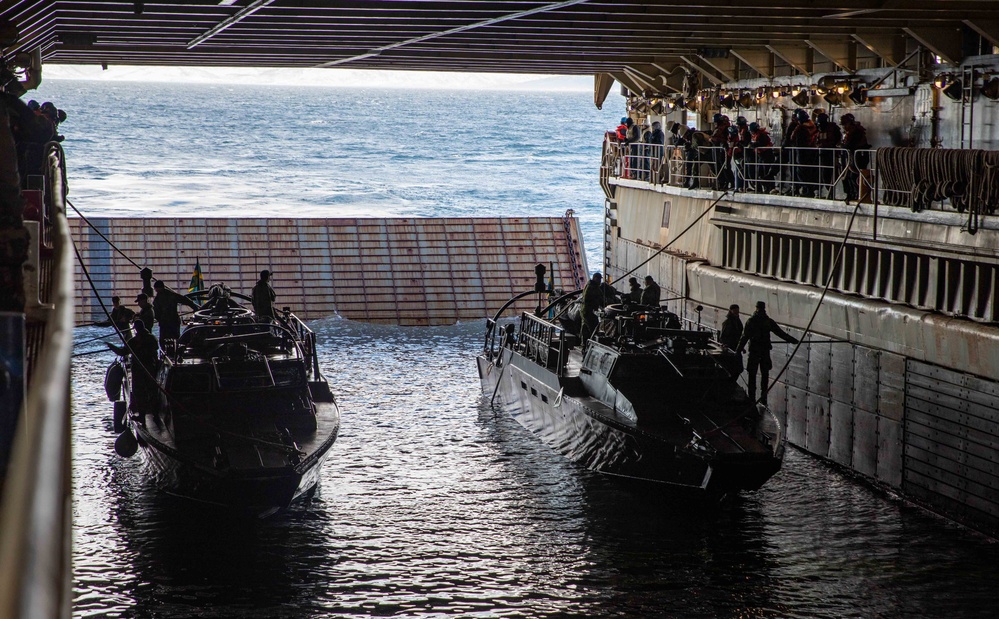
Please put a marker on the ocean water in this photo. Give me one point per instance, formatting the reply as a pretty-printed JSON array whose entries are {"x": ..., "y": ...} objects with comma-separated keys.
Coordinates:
[{"x": 432, "y": 504}]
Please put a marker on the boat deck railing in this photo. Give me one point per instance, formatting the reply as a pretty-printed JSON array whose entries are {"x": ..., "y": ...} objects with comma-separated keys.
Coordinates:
[
  {"x": 542, "y": 342},
  {"x": 289, "y": 330},
  {"x": 917, "y": 178},
  {"x": 36, "y": 508},
  {"x": 306, "y": 338}
]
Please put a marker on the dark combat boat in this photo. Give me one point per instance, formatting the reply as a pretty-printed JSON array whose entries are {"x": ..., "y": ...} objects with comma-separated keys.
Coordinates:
[
  {"x": 243, "y": 418},
  {"x": 649, "y": 402}
]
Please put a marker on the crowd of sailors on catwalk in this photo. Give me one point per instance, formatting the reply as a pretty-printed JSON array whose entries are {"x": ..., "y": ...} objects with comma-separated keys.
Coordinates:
[
  {"x": 814, "y": 151},
  {"x": 26, "y": 129}
]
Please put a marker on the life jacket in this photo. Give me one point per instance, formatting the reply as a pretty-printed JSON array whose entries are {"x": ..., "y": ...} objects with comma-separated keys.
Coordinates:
[
  {"x": 761, "y": 139},
  {"x": 804, "y": 135},
  {"x": 622, "y": 132}
]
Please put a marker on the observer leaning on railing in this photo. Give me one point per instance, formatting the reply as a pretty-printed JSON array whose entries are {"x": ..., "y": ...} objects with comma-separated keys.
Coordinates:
[{"x": 36, "y": 517}]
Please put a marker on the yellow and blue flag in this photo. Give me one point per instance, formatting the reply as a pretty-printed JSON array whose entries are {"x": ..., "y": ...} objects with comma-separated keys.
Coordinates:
[{"x": 197, "y": 279}]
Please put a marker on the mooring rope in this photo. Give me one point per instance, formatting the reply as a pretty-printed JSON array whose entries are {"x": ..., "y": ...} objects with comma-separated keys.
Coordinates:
[
  {"x": 569, "y": 295},
  {"x": 101, "y": 234},
  {"x": 829, "y": 280},
  {"x": 677, "y": 237}
]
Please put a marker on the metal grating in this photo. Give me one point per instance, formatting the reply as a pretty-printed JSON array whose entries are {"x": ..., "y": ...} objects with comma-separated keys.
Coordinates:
[{"x": 393, "y": 271}]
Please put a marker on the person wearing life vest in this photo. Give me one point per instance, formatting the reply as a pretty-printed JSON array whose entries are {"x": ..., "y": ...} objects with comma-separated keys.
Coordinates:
[
  {"x": 827, "y": 139},
  {"x": 760, "y": 158},
  {"x": 738, "y": 141},
  {"x": 655, "y": 141},
  {"x": 719, "y": 150},
  {"x": 854, "y": 139},
  {"x": 697, "y": 147},
  {"x": 622, "y": 130},
  {"x": 805, "y": 158}
]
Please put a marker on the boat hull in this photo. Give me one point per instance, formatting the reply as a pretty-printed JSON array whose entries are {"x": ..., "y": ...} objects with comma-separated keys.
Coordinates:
[
  {"x": 592, "y": 438},
  {"x": 256, "y": 492}
]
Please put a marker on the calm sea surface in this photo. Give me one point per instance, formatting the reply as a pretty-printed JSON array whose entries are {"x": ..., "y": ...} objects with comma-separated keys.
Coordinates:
[{"x": 431, "y": 503}]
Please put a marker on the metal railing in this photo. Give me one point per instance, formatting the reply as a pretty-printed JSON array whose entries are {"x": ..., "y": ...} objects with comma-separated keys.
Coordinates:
[
  {"x": 538, "y": 342},
  {"x": 807, "y": 172},
  {"x": 822, "y": 173},
  {"x": 36, "y": 514}
]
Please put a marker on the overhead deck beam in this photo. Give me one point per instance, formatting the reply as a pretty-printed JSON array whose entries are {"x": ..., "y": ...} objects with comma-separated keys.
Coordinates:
[
  {"x": 255, "y": 6},
  {"x": 842, "y": 51},
  {"x": 798, "y": 57},
  {"x": 760, "y": 60},
  {"x": 428, "y": 37},
  {"x": 890, "y": 47},
  {"x": 987, "y": 28},
  {"x": 579, "y": 36},
  {"x": 944, "y": 42},
  {"x": 602, "y": 84}
]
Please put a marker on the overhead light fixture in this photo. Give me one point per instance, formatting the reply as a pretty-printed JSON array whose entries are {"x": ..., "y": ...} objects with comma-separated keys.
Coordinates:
[
  {"x": 991, "y": 88},
  {"x": 727, "y": 102},
  {"x": 746, "y": 99},
  {"x": 800, "y": 98},
  {"x": 858, "y": 95},
  {"x": 833, "y": 97},
  {"x": 691, "y": 105},
  {"x": 954, "y": 90}
]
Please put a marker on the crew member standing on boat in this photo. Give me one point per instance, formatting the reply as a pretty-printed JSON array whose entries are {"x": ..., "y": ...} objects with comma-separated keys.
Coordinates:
[
  {"x": 635, "y": 291},
  {"x": 593, "y": 300},
  {"x": 731, "y": 333},
  {"x": 121, "y": 316},
  {"x": 757, "y": 334},
  {"x": 165, "y": 307},
  {"x": 731, "y": 330},
  {"x": 264, "y": 297},
  {"x": 652, "y": 293},
  {"x": 144, "y": 356},
  {"x": 146, "y": 314}
]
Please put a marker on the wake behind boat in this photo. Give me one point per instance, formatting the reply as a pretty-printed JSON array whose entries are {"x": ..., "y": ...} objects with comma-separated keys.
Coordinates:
[
  {"x": 645, "y": 400},
  {"x": 240, "y": 416}
]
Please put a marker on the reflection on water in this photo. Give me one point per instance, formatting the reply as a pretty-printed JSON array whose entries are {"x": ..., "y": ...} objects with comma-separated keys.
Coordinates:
[{"x": 432, "y": 504}]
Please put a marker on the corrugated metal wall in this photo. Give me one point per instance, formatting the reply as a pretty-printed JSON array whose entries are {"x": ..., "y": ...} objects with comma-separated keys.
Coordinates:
[
  {"x": 844, "y": 402},
  {"x": 397, "y": 271},
  {"x": 952, "y": 442}
]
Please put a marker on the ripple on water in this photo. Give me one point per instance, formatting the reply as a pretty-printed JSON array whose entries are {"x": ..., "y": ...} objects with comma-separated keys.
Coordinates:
[{"x": 433, "y": 504}]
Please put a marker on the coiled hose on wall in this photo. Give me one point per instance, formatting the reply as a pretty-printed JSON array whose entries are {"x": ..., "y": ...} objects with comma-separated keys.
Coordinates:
[{"x": 917, "y": 177}]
